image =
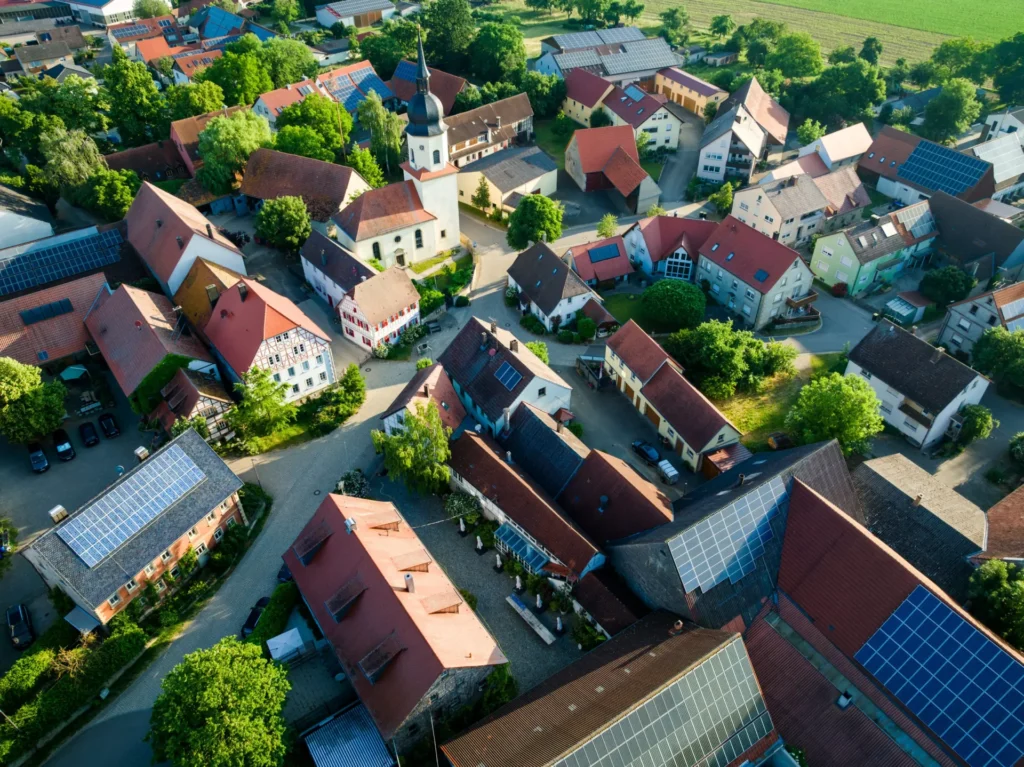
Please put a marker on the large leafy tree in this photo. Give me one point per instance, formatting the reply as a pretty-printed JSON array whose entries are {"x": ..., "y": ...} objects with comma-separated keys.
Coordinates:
[
  {"x": 225, "y": 146},
  {"x": 961, "y": 57},
  {"x": 386, "y": 131},
  {"x": 546, "y": 93},
  {"x": 946, "y": 285},
  {"x": 77, "y": 102},
  {"x": 241, "y": 76},
  {"x": 136, "y": 108},
  {"x": 843, "y": 55},
  {"x": 419, "y": 453},
  {"x": 362, "y": 161},
  {"x": 470, "y": 98},
  {"x": 675, "y": 25},
  {"x": 496, "y": 91},
  {"x": 303, "y": 141},
  {"x": 796, "y": 55},
  {"x": 450, "y": 31},
  {"x": 395, "y": 41},
  {"x": 221, "y": 707},
  {"x": 193, "y": 99},
  {"x": 842, "y": 93},
  {"x": 150, "y": 9},
  {"x": 287, "y": 61},
  {"x": 953, "y": 111},
  {"x": 108, "y": 193},
  {"x": 285, "y": 11},
  {"x": 996, "y": 592},
  {"x": 999, "y": 353},
  {"x": 871, "y": 51},
  {"x": 263, "y": 408},
  {"x": 536, "y": 217},
  {"x": 284, "y": 222},
  {"x": 29, "y": 408},
  {"x": 321, "y": 114},
  {"x": 674, "y": 304},
  {"x": 722, "y": 25},
  {"x": 1007, "y": 68},
  {"x": 810, "y": 131},
  {"x": 839, "y": 407},
  {"x": 498, "y": 53},
  {"x": 71, "y": 156}
]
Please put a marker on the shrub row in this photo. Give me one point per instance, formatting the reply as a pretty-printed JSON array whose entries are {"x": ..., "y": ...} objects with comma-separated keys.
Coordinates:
[
  {"x": 32, "y": 668},
  {"x": 275, "y": 616}
]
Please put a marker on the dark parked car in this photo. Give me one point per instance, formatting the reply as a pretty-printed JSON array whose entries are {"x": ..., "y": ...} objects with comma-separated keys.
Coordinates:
[
  {"x": 19, "y": 627},
  {"x": 284, "y": 575},
  {"x": 254, "y": 616},
  {"x": 647, "y": 452},
  {"x": 109, "y": 426},
  {"x": 90, "y": 437},
  {"x": 38, "y": 458},
  {"x": 62, "y": 443}
]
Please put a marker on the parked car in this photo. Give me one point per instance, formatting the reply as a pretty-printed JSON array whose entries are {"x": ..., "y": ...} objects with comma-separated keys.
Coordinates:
[
  {"x": 37, "y": 458},
  {"x": 19, "y": 627},
  {"x": 284, "y": 575},
  {"x": 109, "y": 426},
  {"x": 62, "y": 444},
  {"x": 90, "y": 437},
  {"x": 254, "y": 616},
  {"x": 647, "y": 452}
]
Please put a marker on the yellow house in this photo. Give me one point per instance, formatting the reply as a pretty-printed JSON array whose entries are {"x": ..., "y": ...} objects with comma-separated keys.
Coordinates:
[
  {"x": 691, "y": 93},
  {"x": 200, "y": 290},
  {"x": 584, "y": 92}
]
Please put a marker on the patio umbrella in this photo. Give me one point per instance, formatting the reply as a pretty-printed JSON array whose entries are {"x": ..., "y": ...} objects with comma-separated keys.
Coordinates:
[{"x": 73, "y": 373}]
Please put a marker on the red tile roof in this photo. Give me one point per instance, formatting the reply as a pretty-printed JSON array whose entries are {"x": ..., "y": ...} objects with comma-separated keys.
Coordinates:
[
  {"x": 152, "y": 28},
  {"x": 363, "y": 568},
  {"x": 607, "y": 598},
  {"x": 149, "y": 160},
  {"x": 157, "y": 48},
  {"x": 134, "y": 330},
  {"x": 752, "y": 251},
  {"x": 606, "y": 269},
  {"x": 638, "y": 351},
  {"x": 237, "y": 328},
  {"x": 156, "y": 220},
  {"x": 59, "y": 336},
  {"x": 478, "y": 460},
  {"x": 324, "y": 186},
  {"x": 595, "y": 310},
  {"x": 383, "y": 210},
  {"x": 439, "y": 390},
  {"x": 597, "y": 145},
  {"x": 692, "y": 82},
  {"x": 443, "y": 85},
  {"x": 181, "y": 396},
  {"x": 687, "y": 410},
  {"x": 624, "y": 171},
  {"x": 632, "y": 111},
  {"x": 278, "y": 99},
  {"x": 633, "y": 504},
  {"x": 585, "y": 87},
  {"x": 197, "y": 62},
  {"x": 666, "y": 234},
  {"x": 762, "y": 107},
  {"x": 1005, "y": 538}
]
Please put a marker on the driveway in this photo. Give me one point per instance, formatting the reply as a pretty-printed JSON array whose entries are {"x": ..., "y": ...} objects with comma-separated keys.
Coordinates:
[
  {"x": 584, "y": 207},
  {"x": 681, "y": 166},
  {"x": 842, "y": 322}
]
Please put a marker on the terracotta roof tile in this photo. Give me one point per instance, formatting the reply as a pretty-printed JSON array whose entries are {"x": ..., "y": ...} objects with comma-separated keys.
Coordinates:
[
  {"x": 1006, "y": 528},
  {"x": 634, "y": 112},
  {"x": 624, "y": 171},
  {"x": 159, "y": 160},
  {"x": 379, "y": 211},
  {"x": 154, "y": 48},
  {"x": 278, "y": 99},
  {"x": 181, "y": 396},
  {"x": 692, "y": 82},
  {"x": 324, "y": 186},
  {"x": 638, "y": 351},
  {"x": 443, "y": 85},
  {"x": 754, "y": 254},
  {"x": 765, "y": 110},
  {"x": 595, "y": 310},
  {"x": 688, "y": 411},
  {"x": 192, "y": 65},
  {"x": 194, "y": 298},
  {"x": 586, "y": 88},
  {"x": 843, "y": 189},
  {"x": 664, "y": 235},
  {"x": 385, "y": 294},
  {"x": 605, "y": 268},
  {"x": 152, "y": 28},
  {"x": 327, "y": 256},
  {"x": 597, "y": 145},
  {"x": 442, "y": 393}
]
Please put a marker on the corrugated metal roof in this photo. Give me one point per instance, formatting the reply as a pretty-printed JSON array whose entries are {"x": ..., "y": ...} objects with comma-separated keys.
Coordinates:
[{"x": 349, "y": 740}]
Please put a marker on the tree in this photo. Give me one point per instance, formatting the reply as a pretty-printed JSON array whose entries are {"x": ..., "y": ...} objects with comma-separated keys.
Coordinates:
[
  {"x": 722, "y": 199},
  {"x": 182, "y": 425},
  {"x": 759, "y": 50},
  {"x": 946, "y": 285},
  {"x": 843, "y": 55},
  {"x": 220, "y": 707},
  {"x": 996, "y": 597},
  {"x": 450, "y": 29},
  {"x": 386, "y": 130},
  {"x": 303, "y": 141},
  {"x": 710, "y": 112},
  {"x": 763, "y": 29},
  {"x": 591, "y": 11},
  {"x": 1007, "y": 68},
  {"x": 285, "y": 11},
  {"x": 469, "y": 98},
  {"x": 675, "y": 23},
  {"x": 321, "y": 114},
  {"x": 999, "y": 353},
  {"x": 150, "y": 9},
  {"x": 871, "y": 51},
  {"x": 674, "y": 304},
  {"x": 978, "y": 423},
  {"x": 384, "y": 50},
  {"x": 839, "y": 407},
  {"x": 193, "y": 99},
  {"x": 498, "y": 53},
  {"x": 419, "y": 453},
  {"x": 608, "y": 226},
  {"x": 922, "y": 74},
  {"x": 241, "y": 76},
  {"x": 263, "y": 408},
  {"x": 287, "y": 61},
  {"x": 78, "y": 103},
  {"x": 540, "y": 349},
  {"x": 482, "y": 196},
  {"x": 225, "y": 146},
  {"x": 656, "y": 210},
  {"x": 108, "y": 193},
  {"x": 600, "y": 118},
  {"x": 546, "y": 93},
  {"x": 897, "y": 75},
  {"x": 535, "y": 218},
  {"x": 29, "y": 408},
  {"x": 961, "y": 57},
  {"x": 1017, "y": 448},
  {"x": 544, "y": 6},
  {"x": 953, "y": 111},
  {"x": 71, "y": 156},
  {"x": 284, "y": 222},
  {"x": 841, "y": 94},
  {"x": 361, "y": 160},
  {"x": 136, "y": 108},
  {"x": 810, "y": 131},
  {"x": 644, "y": 146},
  {"x": 796, "y": 55},
  {"x": 496, "y": 91},
  {"x": 722, "y": 26},
  {"x": 632, "y": 9}
]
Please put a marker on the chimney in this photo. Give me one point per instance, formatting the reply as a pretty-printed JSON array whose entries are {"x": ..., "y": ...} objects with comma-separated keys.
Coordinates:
[
  {"x": 494, "y": 326},
  {"x": 498, "y": 118},
  {"x": 913, "y": 330},
  {"x": 410, "y": 584},
  {"x": 508, "y": 457},
  {"x": 939, "y": 351},
  {"x": 559, "y": 426},
  {"x": 917, "y": 500},
  {"x": 209, "y": 230},
  {"x": 514, "y": 345},
  {"x": 506, "y": 413},
  {"x": 426, "y": 390},
  {"x": 159, "y": 223},
  {"x": 483, "y": 340},
  {"x": 181, "y": 243},
  {"x": 288, "y": 87},
  {"x": 739, "y": 482},
  {"x": 350, "y": 525},
  {"x": 243, "y": 291},
  {"x": 676, "y": 630}
]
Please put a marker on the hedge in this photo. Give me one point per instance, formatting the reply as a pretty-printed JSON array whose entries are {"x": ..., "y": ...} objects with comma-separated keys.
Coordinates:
[
  {"x": 25, "y": 674},
  {"x": 275, "y": 617}
]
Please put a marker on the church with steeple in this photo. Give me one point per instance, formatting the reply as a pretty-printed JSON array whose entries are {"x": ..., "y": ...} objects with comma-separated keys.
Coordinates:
[{"x": 418, "y": 218}]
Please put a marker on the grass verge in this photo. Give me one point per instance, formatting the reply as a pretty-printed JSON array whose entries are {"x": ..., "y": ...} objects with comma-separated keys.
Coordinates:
[
  {"x": 627, "y": 306},
  {"x": 553, "y": 144}
]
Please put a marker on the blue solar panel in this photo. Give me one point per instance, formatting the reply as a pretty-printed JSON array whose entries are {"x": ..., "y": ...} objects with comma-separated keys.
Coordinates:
[
  {"x": 515, "y": 544},
  {"x": 366, "y": 80},
  {"x": 760, "y": 275},
  {"x": 43, "y": 265},
  {"x": 345, "y": 93},
  {"x": 508, "y": 376},
  {"x": 937, "y": 167},
  {"x": 603, "y": 253},
  {"x": 960, "y": 683},
  {"x": 406, "y": 70},
  {"x": 106, "y": 523},
  {"x": 218, "y": 22},
  {"x": 132, "y": 31}
]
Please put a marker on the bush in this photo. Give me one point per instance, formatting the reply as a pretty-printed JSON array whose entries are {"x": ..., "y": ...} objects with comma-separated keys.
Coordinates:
[
  {"x": 540, "y": 349},
  {"x": 511, "y": 296},
  {"x": 430, "y": 298},
  {"x": 424, "y": 363},
  {"x": 995, "y": 475},
  {"x": 461, "y": 301},
  {"x": 459, "y": 504},
  {"x": 586, "y": 635},
  {"x": 469, "y": 597},
  {"x": 840, "y": 289},
  {"x": 255, "y": 500},
  {"x": 486, "y": 532},
  {"x": 275, "y": 617},
  {"x": 946, "y": 285},
  {"x": 354, "y": 483},
  {"x": 532, "y": 324},
  {"x": 674, "y": 304},
  {"x": 565, "y": 336},
  {"x": 978, "y": 423},
  {"x": 563, "y": 126},
  {"x": 1017, "y": 448},
  {"x": 586, "y": 327},
  {"x": 21, "y": 680},
  {"x": 576, "y": 428},
  {"x": 382, "y": 351}
]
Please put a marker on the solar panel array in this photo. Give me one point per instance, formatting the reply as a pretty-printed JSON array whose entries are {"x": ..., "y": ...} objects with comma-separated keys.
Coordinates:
[
  {"x": 1006, "y": 156},
  {"x": 46, "y": 311},
  {"x": 960, "y": 683},
  {"x": 345, "y": 93},
  {"x": 105, "y": 524},
  {"x": 710, "y": 717},
  {"x": 519, "y": 547},
  {"x": 640, "y": 55},
  {"x": 366, "y": 80},
  {"x": 132, "y": 31},
  {"x": 508, "y": 376},
  {"x": 936, "y": 167},
  {"x": 726, "y": 544},
  {"x": 44, "y": 265},
  {"x": 219, "y": 22},
  {"x": 577, "y": 59},
  {"x": 406, "y": 70},
  {"x": 604, "y": 253}
]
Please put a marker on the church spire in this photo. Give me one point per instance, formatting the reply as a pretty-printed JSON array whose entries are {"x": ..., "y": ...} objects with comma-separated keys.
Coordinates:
[{"x": 422, "y": 73}]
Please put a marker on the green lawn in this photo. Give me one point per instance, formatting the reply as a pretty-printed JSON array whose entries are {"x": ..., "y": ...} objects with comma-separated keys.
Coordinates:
[
  {"x": 551, "y": 143},
  {"x": 758, "y": 415},
  {"x": 421, "y": 266},
  {"x": 625, "y": 307},
  {"x": 653, "y": 168}
]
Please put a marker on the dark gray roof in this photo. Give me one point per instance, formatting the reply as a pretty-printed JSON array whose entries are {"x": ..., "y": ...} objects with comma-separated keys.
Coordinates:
[
  {"x": 550, "y": 457},
  {"x": 42, "y": 52},
  {"x": 60, "y": 72},
  {"x": 512, "y": 168},
  {"x": 96, "y": 584},
  {"x": 912, "y": 366},
  {"x": 937, "y": 535},
  {"x": 327, "y": 256},
  {"x": 544, "y": 278},
  {"x": 966, "y": 232},
  {"x": 917, "y": 101},
  {"x": 721, "y": 125},
  {"x": 14, "y": 201}
]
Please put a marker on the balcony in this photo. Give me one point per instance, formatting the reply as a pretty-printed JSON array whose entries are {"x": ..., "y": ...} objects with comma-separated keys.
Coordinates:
[
  {"x": 803, "y": 301},
  {"x": 916, "y": 415}
]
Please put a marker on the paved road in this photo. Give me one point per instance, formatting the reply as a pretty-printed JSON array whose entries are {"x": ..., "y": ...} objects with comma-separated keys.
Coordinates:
[{"x": 842, "y": 323}]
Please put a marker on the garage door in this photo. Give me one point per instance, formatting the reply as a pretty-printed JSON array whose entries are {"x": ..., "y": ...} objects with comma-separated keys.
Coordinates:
[
  {"x": 653, "y": 417},
  {"x": 679, "y": 447},
  {"x": 627, "y": 390},
  {"x": 690, "y": 104}
]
